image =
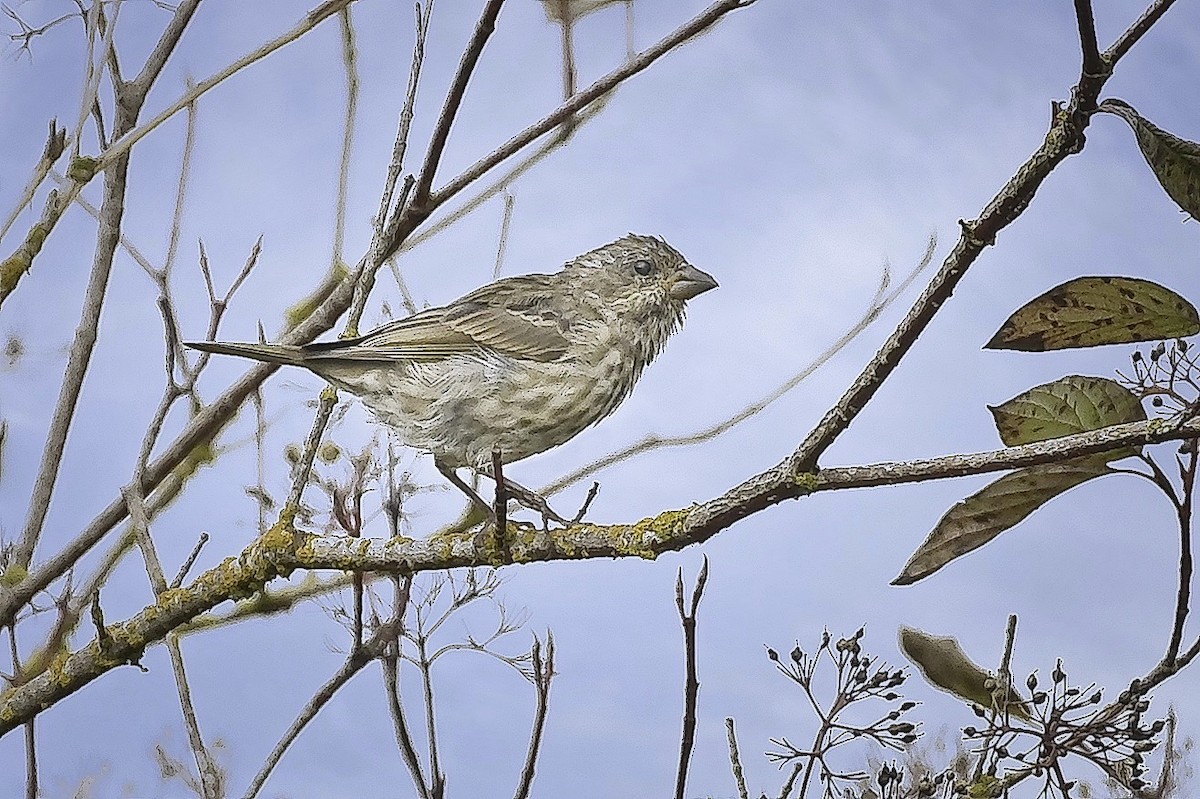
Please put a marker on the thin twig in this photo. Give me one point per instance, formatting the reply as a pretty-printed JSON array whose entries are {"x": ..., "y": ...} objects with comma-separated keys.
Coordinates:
[
  {"x": 691, "y": 687},
  {"x": 124, "y": 141},
  {"x": 582, "y": 99},
  {"x": 308, "y": 454},
  {"x": 500, "y": 504},
  {"x": 400, "y": 145},
  {"x": 735, "y": 760},
  {"x": 504, "y": 180},
  {"x": 454, "y": 96},
  {"x": 190, "y": 561},
  {"x": 1136, "y": 31},
  {"x": 211, "y": 780},
  {"x": 31, "y": 763},
  {"x": 1092, "y": 65},
  {"x": 1184, "y": 513},
  {"x": 425, "y": 666},
  {"x": 566, "y": 20},
  {"x": 350, "y": 61},
  {"x": 355, "y": 663},
  {"x": 505, "y": 226},
  {"x": 1010, "y": 638},
  {"x": 56, "y": 145},
  {"x": 391, "y": 682},
  {"x": 543, "y": 675}
]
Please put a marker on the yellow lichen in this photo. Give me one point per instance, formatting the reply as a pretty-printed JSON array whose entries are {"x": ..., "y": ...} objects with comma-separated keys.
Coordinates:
[
  {"x": 308, "y": 305},
  {"x": 13, "y": 575},
  {"x": 82, "y": 168},
  {"x": 806, "y": 481}
]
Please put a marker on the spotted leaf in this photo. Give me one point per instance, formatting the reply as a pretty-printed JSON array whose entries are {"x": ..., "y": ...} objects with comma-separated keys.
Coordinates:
[
  {"x": 1092, "y": 311},
  {"x": 1000, "y": 506},
  {"x": 1072, "y": 404},
  {"x": 1175, "y": 161}
]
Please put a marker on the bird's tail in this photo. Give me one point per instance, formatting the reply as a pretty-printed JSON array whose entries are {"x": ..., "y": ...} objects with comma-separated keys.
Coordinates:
[{"x": 270, "y": 353}]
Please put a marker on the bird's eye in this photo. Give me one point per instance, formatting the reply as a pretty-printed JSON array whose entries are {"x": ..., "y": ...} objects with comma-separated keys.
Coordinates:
[{"x": 643, "y": 268}]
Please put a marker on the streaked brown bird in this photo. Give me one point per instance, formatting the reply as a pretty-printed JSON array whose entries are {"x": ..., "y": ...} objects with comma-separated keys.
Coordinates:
[{"x": 518, "y": 366}]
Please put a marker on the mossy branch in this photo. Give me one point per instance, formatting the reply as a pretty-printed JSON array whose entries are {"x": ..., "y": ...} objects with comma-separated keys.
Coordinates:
[{"x": 283, "y": 549}]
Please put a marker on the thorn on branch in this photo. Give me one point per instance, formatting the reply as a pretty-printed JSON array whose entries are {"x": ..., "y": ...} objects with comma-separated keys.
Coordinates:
[
  {"x": 191, "y": 561},
  {"x": 56, "y": 143},
  {"x": 969, "y": 231},
  {"x": 108, "y": 646},
  {"x": 587, "y": 503}
]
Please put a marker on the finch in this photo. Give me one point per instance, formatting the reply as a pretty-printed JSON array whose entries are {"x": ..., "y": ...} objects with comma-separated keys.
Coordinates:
[{"x": 518, "y": 366}]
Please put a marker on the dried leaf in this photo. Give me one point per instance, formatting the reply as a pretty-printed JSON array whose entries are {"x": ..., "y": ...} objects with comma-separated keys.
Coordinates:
[
  {"x": 1092, "y": 311},
  {"x": 1001, "y": 505},
  {"x": 1064, "y": 407},
  {"x": 1175, "y": 161},
  {"x": 945, "y": 665}
]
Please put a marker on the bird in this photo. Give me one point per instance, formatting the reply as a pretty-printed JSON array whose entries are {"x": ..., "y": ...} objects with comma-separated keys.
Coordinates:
[{"x": 514, "y": 368}]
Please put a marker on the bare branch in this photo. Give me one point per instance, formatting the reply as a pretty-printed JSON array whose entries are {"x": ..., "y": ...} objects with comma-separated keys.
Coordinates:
[
  {"x": 581, "y": 100},
  {"x": 391, "y": 682},
  {"x": 56, "y": 145},
  {"x": 343, "y": 675},
  {"x": 350, "y": 60},
  {"x": 1092, "y": 65},
  {"x": 190, "y": 561},
  {"x": 454, "y": 96},
  {"x": 1136, "y": 31},
  {"x": 140, "y": 86},
  {"x": 1186, "y": 565},
  {"x": 400, "y": 146},
  {"x": 691, "y": 690},
  {"x": 735, "y": 760},
  {"x": 125, "y": 141},
  {"x": 505, "y": 225},
  {"x": 543, "y": 674}
]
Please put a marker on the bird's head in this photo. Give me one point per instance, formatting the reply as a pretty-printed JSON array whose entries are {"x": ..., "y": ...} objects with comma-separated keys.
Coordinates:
[{"x": 642, "y": 280}]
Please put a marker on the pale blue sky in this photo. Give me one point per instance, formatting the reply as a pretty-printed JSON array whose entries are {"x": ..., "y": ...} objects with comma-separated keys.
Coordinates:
[{"x": 790, "y": 153}]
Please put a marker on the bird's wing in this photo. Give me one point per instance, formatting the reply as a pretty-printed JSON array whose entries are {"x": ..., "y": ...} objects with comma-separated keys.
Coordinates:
[{"x": 516, "y": 316}]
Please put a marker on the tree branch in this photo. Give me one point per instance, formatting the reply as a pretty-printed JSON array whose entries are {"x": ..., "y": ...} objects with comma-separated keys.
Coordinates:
[
  {"x": 282, "y": 549},
  {"x": 1092, "y": 65},
  {"x": 691, "y": 687},
  {"x": 1136, "y": 31},
  {"x": 458, "y": 87}
]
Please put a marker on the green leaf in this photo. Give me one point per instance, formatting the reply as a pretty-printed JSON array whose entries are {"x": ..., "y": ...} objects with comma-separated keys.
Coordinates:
[
  {"x": 1175, "y": 161},
  {"x": 945, "y": 665},
  {"x": 1000, "y": 506},
  {"x": 1092, "y": 311},
  {"x": 1064, "y": 407}
]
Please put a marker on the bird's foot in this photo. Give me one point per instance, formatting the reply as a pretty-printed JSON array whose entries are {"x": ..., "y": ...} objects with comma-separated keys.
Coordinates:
[{"x": 534, "y": 502}]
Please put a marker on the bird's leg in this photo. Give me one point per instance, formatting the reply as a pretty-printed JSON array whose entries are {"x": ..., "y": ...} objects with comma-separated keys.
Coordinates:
[
  {"x": 533, "y": 500},
  {"x": 458, "y": 482},
  {"x": 512, "y": 490}
]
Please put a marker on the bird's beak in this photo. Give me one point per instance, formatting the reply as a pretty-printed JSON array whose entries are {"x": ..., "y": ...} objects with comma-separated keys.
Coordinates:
[{"x": 690, "y": 282}]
